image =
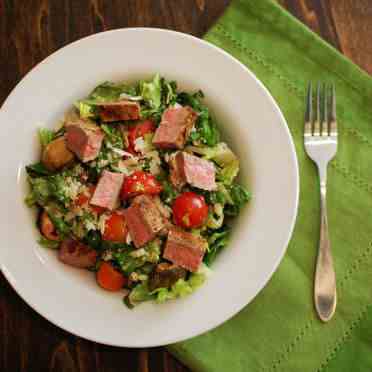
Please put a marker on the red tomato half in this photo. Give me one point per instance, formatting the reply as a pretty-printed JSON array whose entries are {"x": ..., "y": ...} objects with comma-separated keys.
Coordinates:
[
  {"x": 84, "y": 198},
  {"x": 189, "y": 210},
  {"x": 138, "y": 183},
  {"x": 115, "y": 228},
  {"x": 139, "y": 130},
  {"x": 109, "y": 278}
]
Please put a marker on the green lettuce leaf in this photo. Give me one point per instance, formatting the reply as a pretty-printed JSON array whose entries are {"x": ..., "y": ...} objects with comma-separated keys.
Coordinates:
[
  {"x": 46, "y": 243},
  {"x": 45, "y": 136},
  {"x": 151, "y": 92},
  {"x": 227, "y": 174},
  {"x": 216, "y": 242},
  {"x": 240, "y": 197}
]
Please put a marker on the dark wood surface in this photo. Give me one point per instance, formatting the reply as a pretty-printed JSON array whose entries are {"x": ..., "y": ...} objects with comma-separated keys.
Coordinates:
[{"x": 32, "y": 29}]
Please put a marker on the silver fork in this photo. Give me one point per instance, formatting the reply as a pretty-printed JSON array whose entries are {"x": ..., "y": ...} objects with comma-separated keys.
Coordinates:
[{"x": 320, "y": 137}]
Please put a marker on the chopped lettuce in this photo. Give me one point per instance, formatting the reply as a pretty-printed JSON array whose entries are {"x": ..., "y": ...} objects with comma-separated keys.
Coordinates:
[
  {"x": 138, "y": 294},
  {"x": 216, "y": 242},
  {"x": 86, "y": 110},
  {"x": 63, "y": 228},
  {"x": 37, "y": 169},
  {"x": 227, "y": 174},
  {"x": 113, "y": 136},
  {"x": 45, "y": 136},
  {"x": 40, "y": 191},
  {"x": 151, "y": 91},
  {"x": 61, "y": 187},
  {"x": 108, "y": 91},
  {"x": 221, "y": 153},
  {"x": 169, "y": 193},
  {"x": 128, "y": 262},
  {"x": 240, "y": 196},
  {"x": 206, "y": 132},
  {"x": 46, "y": 243}
]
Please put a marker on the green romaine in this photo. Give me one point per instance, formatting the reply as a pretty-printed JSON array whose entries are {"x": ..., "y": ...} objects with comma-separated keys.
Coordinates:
[
  {"x": 138, "y": 294},
  {"x": 227, "y": 174},
  {"x": 151, "y": 92},
  {"x": 37, "y": 169},
  {"x": 46, "y": 243},
  {"x": 240, "y": 196},
  {"x": 109, "y": 91},
  {"x": 216, "y": 242},
  {"x": 221, "y": 153},
  {"x": 45, "y": 136}
]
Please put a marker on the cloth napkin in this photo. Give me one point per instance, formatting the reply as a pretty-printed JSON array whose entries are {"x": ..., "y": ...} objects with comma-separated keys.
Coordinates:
[{"x": 279, "y": 330}]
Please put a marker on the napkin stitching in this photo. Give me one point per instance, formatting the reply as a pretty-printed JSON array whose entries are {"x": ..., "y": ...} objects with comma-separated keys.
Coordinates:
[
  {"x": 284, "y": 355},
  {"x": 347, "y": 334},
  {"x": 288, "y": 83}
]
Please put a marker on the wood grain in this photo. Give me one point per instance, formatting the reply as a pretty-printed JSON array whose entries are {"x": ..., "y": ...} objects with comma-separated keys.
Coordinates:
[{"x": 33, "y": 29}]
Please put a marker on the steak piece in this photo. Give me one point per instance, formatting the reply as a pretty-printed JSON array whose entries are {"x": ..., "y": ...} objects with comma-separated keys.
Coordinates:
[
  {"x": 107, "y": 191},
  {"x": 84, "y": 138},
  {"x": 184, "y": 249},
  {"x": 119, "y": 110},
  {"x": 144, "y": 219},
  {"x": 175, "y": 126},
  {"x": 187, "y": 168}
]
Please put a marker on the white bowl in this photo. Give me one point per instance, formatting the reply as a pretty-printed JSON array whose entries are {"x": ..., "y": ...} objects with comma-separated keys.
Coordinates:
[{"x": 250, "y": 121}]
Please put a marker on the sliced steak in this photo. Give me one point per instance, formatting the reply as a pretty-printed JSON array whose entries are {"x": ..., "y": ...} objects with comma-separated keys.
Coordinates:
[
  {"x": 84, "y": 138},
  {"x": 187, "y": 168},
  {"x": 119, "y": 110},
  {"x": 106, "y": 194},
  {"x": 77, "y": 254},
  {"x": 144, "y": 220},
  {"x": 184, "y": 249},
  {"x": 165, "y": 275},
  {"x": 176, "y": 124}
]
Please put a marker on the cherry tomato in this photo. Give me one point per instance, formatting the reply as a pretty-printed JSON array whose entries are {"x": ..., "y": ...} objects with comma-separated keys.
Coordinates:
[
  {"x": 47, "y": 228},
  {"x": 109, "y": 278},
  {"x": 115, "y": 228},
  {"x": 84, "y": 198},
  {"x": 189, "y": 210},
  {"x": 140, "y": 182},
  {"x": 137, "y": 131}
]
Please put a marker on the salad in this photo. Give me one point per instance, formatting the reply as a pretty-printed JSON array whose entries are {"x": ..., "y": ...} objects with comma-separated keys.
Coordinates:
[{"x": 136, "y": 186}]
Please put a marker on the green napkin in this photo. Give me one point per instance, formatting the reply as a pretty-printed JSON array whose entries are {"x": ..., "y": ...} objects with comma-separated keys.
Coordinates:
[{"x": 279, "y": 330}]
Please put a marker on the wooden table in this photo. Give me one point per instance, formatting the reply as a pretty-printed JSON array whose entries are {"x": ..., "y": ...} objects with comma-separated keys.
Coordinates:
[{"x": 30, "y": 30}]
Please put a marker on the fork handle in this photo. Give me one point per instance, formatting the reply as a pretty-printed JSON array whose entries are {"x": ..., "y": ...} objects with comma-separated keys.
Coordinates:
[{"x": 325, "y": 278}]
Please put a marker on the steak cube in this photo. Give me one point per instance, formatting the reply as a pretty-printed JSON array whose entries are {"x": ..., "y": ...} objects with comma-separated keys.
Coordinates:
[
  {"x": 106, "y": 194},
  {"x": 187, "y": 168},
  {"x": 144, "y": 220},
  {"x": 176, "y": 124},
  {"x": 184, "y": 249},
  {"x": 119, "y": 110},
  {"x": 84, "y": 138}
]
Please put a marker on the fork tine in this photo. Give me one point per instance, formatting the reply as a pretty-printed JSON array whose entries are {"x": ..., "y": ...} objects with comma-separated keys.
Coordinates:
[
  {"x": 309, "y": 111},
  {"x": 325, "y": 111},
  {"x": 317, "y": 118},
  {"x": 333, "y": 119}
]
